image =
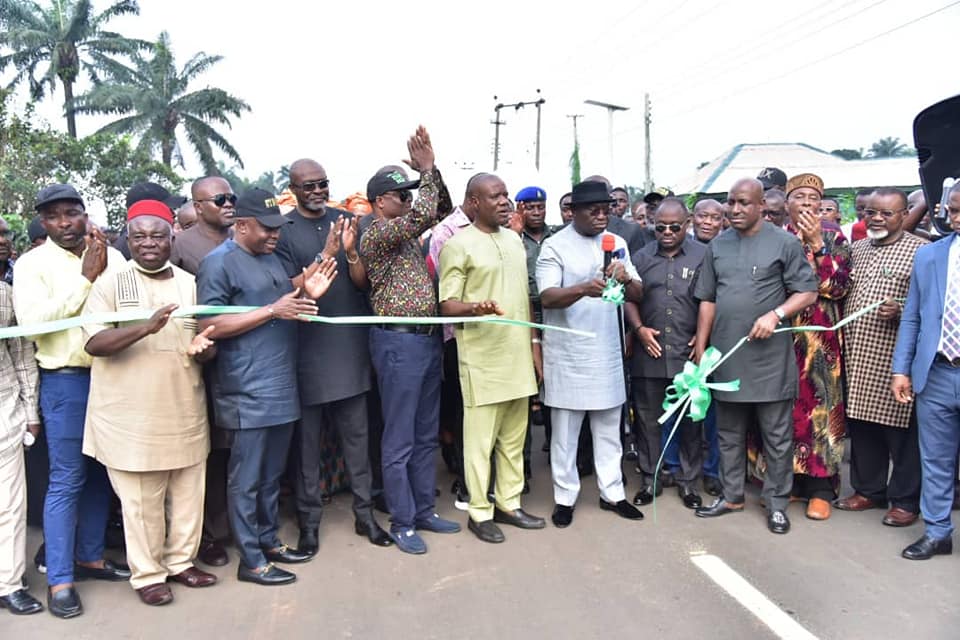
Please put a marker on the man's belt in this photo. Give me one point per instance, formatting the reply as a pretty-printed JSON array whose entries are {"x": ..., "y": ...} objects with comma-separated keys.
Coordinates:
[
  {"x": 419, "y": 329},
  {"x": 945, "y": 360},
  {"x": 68, "y": 370}
]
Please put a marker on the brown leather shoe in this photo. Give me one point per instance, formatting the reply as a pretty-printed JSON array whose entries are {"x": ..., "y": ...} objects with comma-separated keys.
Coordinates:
[
  {"x": 818, "y": 509},
  {"x": 194, "y": 577},
  {"x": 856, "y": 502},
  {"x": 155, "y": 594},
  {"x": 897, "y": 517},
  {"x": 213, "y": 554}
]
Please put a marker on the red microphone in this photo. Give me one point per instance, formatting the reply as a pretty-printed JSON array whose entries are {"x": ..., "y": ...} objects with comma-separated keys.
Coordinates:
[{"x": 608, "y": 244}]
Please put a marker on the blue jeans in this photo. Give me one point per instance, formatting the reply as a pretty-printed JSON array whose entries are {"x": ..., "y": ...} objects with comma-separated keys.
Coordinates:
[
  {"x": 408, "y": 373},
  {"x": 77, "y": 505},
  {"x": 711, "y": 461},
  {"x": 938, "y": 418}
]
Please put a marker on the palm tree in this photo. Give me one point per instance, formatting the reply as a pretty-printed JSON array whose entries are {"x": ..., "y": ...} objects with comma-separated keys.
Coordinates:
[
  {"x": 152, "y": 96},
  {"x": 889, "y": 148},
  {"x": 64, "y": 37}
]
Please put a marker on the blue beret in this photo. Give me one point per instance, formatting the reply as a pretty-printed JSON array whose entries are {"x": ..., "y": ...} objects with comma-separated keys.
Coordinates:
[{"x": 531, "y": 194}]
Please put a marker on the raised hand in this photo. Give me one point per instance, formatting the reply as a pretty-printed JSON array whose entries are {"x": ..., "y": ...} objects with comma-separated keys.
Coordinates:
[
  {"x": 201, "y": 342},
  {"x": 592, "y": 288},
  {"x": 160, "y": 317},
  {"x": 317, "y": 283},
  {"x": 420, "y": 149},
  {"x": 291, "y": 306},
  {"x": 95, "y": 257},
  {"x": 486, "y": 308},
  {"x": 810, "y": 228},
  {"x": 515, "y": 222},
  {"x": 332, "y": 246},
  {"x": 618, "y": 272},
  {"x": 349, "y": 236}
]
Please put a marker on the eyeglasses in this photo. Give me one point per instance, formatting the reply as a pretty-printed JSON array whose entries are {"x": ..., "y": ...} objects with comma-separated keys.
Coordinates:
[
  {"x": 870, "y": 213},
  {"x": 402, "y": 196},
  {"x": 309, "y": 187},
  {"x": 674, "y": 227},
  {"x": 220, "y": 199}
]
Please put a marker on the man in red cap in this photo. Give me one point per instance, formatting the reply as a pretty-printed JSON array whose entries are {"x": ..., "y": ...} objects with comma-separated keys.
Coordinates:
[{"x": 154, "y": 450}]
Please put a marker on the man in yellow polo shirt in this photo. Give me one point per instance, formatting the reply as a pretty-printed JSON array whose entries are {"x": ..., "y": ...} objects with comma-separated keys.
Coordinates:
[
  {"x": 51, "y": 282},
  {"x": 483, "y": 270}
]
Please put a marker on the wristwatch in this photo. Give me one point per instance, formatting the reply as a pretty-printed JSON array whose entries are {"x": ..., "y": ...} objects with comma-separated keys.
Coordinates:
[
  {"x": 819, "y": 253},
  {"x": 780, "y": 313}
]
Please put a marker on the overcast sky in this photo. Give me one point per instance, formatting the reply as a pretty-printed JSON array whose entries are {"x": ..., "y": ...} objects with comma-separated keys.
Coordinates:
[{"x": 347, "y": 82}]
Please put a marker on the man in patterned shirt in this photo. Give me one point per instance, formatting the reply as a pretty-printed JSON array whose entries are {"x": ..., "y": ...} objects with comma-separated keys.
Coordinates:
[
  {"x": 881, "y": 429},
  {"x": 406, "y": 356}
]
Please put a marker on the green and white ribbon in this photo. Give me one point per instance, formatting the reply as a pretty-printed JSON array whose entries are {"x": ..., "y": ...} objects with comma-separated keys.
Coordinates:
[
  {"x": 613, "y": 292},
  {"x": 138, "y": 315}
]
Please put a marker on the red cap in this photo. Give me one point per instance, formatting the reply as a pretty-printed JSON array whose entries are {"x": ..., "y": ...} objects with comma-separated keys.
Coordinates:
[
  {"x": 608, "y": 242},
  {"x": 150, "y": 208}
]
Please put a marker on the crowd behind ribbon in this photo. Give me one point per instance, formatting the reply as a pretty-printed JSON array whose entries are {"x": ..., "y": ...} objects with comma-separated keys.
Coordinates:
[{"x": 197, "y": 424}]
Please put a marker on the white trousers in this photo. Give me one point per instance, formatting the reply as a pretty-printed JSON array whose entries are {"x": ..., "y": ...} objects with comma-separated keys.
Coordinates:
[
  {"x": 13, "y": 520},
  {"x": 607, "y": 453}
]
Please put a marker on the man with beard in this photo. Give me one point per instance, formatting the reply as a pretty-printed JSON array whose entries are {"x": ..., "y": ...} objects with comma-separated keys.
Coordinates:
[
  {"x": 52, "y": 283},
  {"x": 255, "y": 378},
  {"x": 333, "y": 398},
  {"x": 214, "y": 203},
  {"x": 926, "y": 362},
  {"x": 583, "y": 376},
  {"x": 664, "y": 324},
  {"x": 775, "y": 206},
  {"x": 818, "y": 416},
  {"x": 6, "y": 252},
  {"x": 483, "y": 271},
  {"x": 154, "y": 450},
  {"x": 752, "y": 279},
  {"x": 881, "y": 429}
]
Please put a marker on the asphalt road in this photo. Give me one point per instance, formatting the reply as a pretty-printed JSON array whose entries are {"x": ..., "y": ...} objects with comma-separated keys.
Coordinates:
[{"x": 603, "y": 577}]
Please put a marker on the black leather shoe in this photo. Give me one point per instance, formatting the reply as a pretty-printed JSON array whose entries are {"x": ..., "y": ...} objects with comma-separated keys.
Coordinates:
[
  {"x": 267, "y": 575},
  {"x": 374, "y": 533},
  {"x": 630, "y": 449},
  {"x": 645, "y": 495},
  {"x": 64, "y": 603},
  {"x": 927, "y": 547},
  {"x": 111, "y": 572},
  {"x": 518, "y": 518},
  {"x": 20, "y": 603},
  {"x": 778, "y": 522},
  {"x": 286, "y": 555},
  {"x": 718, "y": 508},
  {"x": 712, "y": 486},
  {"x": 308, "y": 542},
  {"x": 562, "y": 516},
  {"x": 213, "y": 554},
  {"x": 691, "y": 499},
  {"x": 623, "y": 509},
  {"x": 486, "y": 530}
]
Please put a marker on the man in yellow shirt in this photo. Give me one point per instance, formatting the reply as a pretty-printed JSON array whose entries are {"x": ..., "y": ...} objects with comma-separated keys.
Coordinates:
[{"x": 52, "y": 283}]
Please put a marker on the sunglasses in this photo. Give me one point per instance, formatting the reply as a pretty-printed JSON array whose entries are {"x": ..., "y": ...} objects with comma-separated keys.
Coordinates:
[
  {"x": 309, "y": 187},
  {"x": 675, "y": 227},
  {"x": 220, "y": 199},
  {"x": 402, "y": 196}
]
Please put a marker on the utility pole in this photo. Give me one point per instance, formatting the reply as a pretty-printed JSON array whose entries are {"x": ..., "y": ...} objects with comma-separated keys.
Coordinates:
[
  {"x": 497, "y": 123},
  {"x": 611, "y": 109},
  {"x": 576, "y": 141},
  {"x": 647, "y": 183}
]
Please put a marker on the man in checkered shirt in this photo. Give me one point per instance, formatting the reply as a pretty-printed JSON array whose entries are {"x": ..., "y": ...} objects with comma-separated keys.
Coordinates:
[{"x": 881, "y": 429}]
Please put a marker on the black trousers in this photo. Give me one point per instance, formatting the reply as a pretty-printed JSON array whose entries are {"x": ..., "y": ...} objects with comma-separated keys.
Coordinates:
[
  {"x": 648, "y": 395},
  {"x": 451, "y": 408},
  {"x": 216, "y": 524},
  {"x": 873, "y": 447},
  {"x": 349, "y": 418}
]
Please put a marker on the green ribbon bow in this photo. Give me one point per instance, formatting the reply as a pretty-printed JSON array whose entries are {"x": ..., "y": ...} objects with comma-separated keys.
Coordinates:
[
  {"x": 691, "y": 389},
  {"x": 613, "y": 292}
]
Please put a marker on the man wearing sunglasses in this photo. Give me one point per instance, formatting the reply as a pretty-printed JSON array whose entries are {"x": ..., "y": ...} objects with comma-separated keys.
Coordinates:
[
  {"x": 664, "y": 324},
  {"x": 214, "y": 202},
  {"x": 334, "y": 372}
]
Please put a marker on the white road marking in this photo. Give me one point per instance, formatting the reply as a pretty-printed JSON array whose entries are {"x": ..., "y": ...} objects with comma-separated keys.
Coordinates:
[{"x": 747, "y": 595}]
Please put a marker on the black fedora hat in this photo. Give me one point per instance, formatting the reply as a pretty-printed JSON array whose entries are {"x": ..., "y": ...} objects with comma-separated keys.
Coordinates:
[{"x": 590, "y": 192}]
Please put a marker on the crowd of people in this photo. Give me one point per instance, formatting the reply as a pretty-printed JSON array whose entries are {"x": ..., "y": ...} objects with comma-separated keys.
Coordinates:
[{"x": 195, "y": 425}]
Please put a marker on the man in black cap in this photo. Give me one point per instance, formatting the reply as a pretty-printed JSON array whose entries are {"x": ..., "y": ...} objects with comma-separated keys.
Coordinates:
[
  {"x": 773, "y": 178},
  {"x": 333, "y": 398},
  {"x": 52, "y": 283},
  {"x": 255, "y": 380},
  {"x": 653, "y": 199}
]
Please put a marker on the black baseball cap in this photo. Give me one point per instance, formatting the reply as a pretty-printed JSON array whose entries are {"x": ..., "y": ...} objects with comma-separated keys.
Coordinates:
[
  {"x": 657, "y": 195},
  {"x": 262, "y": 206},
  {"x": 55, "y": 192},
  {"x": 389, "y": 180},
  {"x": 772, "y": 177}
]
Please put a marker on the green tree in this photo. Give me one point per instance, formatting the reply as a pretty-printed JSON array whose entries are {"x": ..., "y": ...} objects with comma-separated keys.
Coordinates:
[
  {"x": 152, "y": 94},
  {"x": 53, "y": 43},
  {"x": 890, "y": 148},
  {"x": 102, "y": 166},
  {"x": 848, "y": 154}
]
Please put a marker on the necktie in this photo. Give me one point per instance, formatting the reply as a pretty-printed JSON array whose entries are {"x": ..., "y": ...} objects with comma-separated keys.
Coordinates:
[{"x": 950, "y": 336}]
